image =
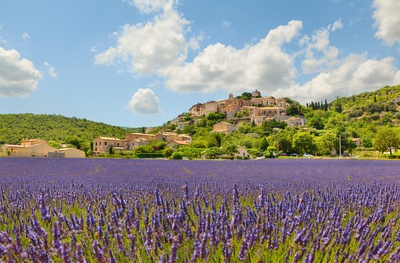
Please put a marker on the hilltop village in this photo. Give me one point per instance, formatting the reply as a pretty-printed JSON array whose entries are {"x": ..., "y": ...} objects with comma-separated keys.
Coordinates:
[
  {"x": 250, "y": 108},
  {"x": 242, "y": 127}
]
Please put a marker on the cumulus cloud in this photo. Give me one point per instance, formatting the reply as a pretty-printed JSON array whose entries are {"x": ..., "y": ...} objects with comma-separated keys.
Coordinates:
[
  {"x": 387, "y": 20},
  {"x": 264, "y": 66},
  {"x": 337, "y": 25},
  {"x": 160, "y": 47},
  {"x": 18, "y": 76},
  {"x": 144, "y": 101},
  {"x": 50, "y": 70},
  {"x": 354, "y": 75},
  {"x": 153, "y": 45},
  {"x": 26, "y": 36},
  {"x": 319, "y": 54},
  {"x": 194, "y": 42}
]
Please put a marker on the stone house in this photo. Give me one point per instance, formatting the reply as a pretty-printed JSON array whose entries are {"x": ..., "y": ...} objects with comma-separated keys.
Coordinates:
[
  {"x": 224, "y": 127},
  {"x": 103, "y": 144}
]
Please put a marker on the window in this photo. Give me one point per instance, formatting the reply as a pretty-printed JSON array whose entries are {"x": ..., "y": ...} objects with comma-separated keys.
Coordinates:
[{"x": 105, "y": 143}]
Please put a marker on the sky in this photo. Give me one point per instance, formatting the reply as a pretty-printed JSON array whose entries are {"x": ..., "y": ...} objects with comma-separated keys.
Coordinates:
[{"x": 135, "y": 63}]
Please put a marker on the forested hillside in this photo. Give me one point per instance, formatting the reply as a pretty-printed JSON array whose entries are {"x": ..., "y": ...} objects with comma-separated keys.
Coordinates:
[
  {"x": 56, "y": 129},
  {"x": 373, "y": 118},
  {"x": 332, "y": 128}
]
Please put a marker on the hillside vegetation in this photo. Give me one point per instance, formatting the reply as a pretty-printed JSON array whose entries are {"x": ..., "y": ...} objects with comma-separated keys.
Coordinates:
[
  {"x": 373, "y": 117},
  {"x": 331, "y": 128},
  {"x": 55, "y": 129}
]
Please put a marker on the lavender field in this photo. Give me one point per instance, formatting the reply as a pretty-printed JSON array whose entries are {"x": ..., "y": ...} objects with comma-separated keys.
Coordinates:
[{"x": 111, "y": 210}]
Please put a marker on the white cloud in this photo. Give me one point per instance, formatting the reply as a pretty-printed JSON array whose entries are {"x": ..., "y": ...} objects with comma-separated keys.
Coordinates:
[
  {"x": 319, "y": 55},
  {"x": 50, "y": 70},
  {"x": 355, "y": 74},
  {"x": 107, "y": 57},
  {"x": 18, "y": 77},
  {"x": 337, "y": 25},
  {"x": 148, "y": 6},
  {"x": 144, "y": 101},
  {"x": 26, "y": 36},
  {"x": 226, "y": 24},
  {"x": 264, "y": 66},
  {"x": 387, "y": 20},
  {"x": 153, "y": 45},
  {"x": 194, "y": 42}
]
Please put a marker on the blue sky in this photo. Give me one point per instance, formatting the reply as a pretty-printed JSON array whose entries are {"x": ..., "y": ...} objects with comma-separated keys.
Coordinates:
[{"x": 141, "y": 63}]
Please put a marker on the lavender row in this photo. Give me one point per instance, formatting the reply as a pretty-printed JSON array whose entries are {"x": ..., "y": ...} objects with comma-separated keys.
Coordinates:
[{"x": 166, "y": 211}]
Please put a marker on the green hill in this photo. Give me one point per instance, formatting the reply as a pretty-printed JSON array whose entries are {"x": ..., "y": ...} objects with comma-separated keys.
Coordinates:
[
  {"x": 362, "y": 116},
  {"x": 56, "y": 129}
]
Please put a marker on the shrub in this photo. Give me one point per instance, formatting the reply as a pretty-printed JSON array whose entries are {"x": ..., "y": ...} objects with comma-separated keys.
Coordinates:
[
  {"x": 168, "y": 152},
  {"x": 177, "y": 156}
]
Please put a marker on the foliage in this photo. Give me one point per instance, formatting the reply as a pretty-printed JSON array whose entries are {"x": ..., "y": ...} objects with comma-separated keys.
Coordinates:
[
  {"x": 168, "y": 152},
  {"x": 149, "y": 155},
  {"x": 144, "y": 149},
  {"x": 230, "y": 148},
  {"x": 386, "y": 139},
  {"x": 270, "y": 152},
  {"x": 56, "y": 128},
  {"x": 177, "y": 156},
  {"x": 213, "y": 152},
  {"x": 303, "y": 142}
]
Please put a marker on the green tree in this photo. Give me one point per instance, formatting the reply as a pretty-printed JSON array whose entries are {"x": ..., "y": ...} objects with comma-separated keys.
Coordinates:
[
  {"x": 230, "y": 148},
  {"x": 386, "y": 139},
  {"x": 111, "y": 150},
  {"x": 168, "y": 152},
  {"x": 271, "y": 152},
  {"x": 213, "y": 152},
  {"x": 263, "y": 145},
  {"x": 144, "y": 149},
  {"x": 327, "y": 143},
  {"x": 177, "y": 156},
  {"x": 303, "y": 142},
  {"x": 338, "y": 105}
]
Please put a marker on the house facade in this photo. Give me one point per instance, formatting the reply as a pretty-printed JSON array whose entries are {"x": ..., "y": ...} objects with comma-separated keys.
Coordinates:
[
  {"x": 103, "y": 144},
  {"x": 39, "y": 148},
  {"x": 224, "y": 127},
  {"x": 134, "y": 140}
]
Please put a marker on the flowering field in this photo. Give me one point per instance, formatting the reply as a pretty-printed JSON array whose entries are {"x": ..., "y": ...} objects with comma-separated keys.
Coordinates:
[{"x": 110, "y": 210}]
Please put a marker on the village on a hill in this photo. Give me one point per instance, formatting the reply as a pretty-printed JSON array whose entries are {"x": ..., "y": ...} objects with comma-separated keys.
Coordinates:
[{"x": 248, "y": 126}]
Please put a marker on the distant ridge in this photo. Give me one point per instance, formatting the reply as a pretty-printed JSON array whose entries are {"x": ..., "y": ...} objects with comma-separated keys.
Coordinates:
[{"x": 61, "y": 129}]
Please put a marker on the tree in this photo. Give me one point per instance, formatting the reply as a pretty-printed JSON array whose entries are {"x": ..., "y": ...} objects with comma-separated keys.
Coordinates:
[
  {"x": 168, "y": 152},
  {"x": 303, "y": 142},
  {"x": 386, "y": 139},
  {"x": 263, "y": 145},
  {"x": 111, "y": 150},
  {"x": 327, "y": 143},
  {"x": 213, "y": 152},
  {"x": 338, "y": 105},
  {"x": 230, "y": 148},
  {"x": 271, "y": 152},
  {"x": 177, "y": 156}
]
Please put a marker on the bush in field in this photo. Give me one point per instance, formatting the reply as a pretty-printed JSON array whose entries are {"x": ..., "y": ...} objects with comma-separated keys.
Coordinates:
[
  {"x": 177, "y": 156},
  {"x": 168, "y": 152}
]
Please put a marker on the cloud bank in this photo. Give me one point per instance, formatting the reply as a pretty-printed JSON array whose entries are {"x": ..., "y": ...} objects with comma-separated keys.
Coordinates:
[
  {"x": 18, "y": 76},
  {"x": 160, "y": 47},
  {"x": 387, "y": 20}
]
